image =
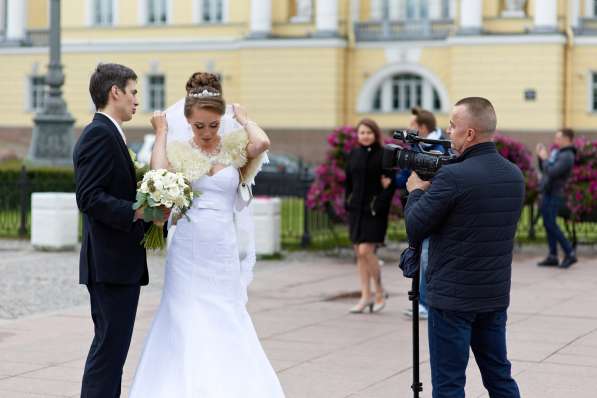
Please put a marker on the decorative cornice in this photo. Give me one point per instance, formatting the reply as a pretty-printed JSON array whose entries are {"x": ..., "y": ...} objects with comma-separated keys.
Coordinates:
[{"x": 177, "y": 45}]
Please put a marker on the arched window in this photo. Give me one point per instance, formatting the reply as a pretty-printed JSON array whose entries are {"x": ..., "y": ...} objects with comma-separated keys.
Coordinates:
[{"x": 403, "y": 91}]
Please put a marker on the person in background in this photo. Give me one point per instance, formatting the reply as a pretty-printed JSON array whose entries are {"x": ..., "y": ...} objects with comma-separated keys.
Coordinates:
[
  {"x": 424, "y": 122},
  {"x": 556, "y": 168},
  {"x": 369, "y": 192}
]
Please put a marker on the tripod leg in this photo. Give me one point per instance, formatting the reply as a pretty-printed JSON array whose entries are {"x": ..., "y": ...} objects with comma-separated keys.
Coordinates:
[{"x": 413, "y": 296}]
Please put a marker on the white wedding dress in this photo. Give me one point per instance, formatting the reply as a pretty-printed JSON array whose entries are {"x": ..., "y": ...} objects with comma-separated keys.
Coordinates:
[{"x": 202, "y": 343}]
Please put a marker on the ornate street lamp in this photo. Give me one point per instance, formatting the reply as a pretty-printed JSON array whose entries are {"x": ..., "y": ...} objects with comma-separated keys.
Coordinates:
[{"x": 53, "y": 136}]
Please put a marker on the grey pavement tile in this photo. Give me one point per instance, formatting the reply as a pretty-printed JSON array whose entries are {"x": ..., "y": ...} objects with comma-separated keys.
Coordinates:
[
  {"x": 40, "y": 386},
  {"x": 9, "y": 368},
  {"x": 573, "y": 359},
  {"x": 15, "y": 394},
  {"x": 317, "y": 348},
  {"x": 56, "y": 373}
]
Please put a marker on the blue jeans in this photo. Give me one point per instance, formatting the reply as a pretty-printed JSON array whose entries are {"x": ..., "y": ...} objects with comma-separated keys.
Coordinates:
[
  {"x": 549, "y": 211},
  {"x": 424, "y": 261},
  {"x": 451, "y": 334}
]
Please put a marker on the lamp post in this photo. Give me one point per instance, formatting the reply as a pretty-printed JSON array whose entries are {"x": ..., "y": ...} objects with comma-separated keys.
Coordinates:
[{"x": 53, "y": 135}]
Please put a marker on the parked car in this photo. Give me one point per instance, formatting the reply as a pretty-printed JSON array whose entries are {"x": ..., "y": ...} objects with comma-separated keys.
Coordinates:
[{"x": 287, "y": 164}]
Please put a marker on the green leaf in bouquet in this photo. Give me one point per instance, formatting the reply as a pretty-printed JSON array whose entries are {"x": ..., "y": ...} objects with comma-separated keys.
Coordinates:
[
  {"x": 139, "y": 200},
  {"x": 139, "y": 203},
  {"x": 151, "y": 202},
  {"x": 140, "y": 196},
  {"x": 151, "y": 213}
]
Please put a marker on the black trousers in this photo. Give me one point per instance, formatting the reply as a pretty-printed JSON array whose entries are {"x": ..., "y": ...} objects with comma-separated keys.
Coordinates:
[{"x": 113, "y": 309}]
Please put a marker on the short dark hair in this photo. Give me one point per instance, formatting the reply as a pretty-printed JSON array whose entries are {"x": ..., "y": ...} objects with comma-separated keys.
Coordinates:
[
  {"x": 104, "y": 77},
  {"x": 568, "y": 133},
  {"x": 482, "y": 113},
  {"x": 425, "y": 118}
]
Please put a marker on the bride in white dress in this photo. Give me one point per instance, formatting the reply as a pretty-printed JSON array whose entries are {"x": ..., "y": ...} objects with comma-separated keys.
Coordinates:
[{"x": 202, "y": 343}]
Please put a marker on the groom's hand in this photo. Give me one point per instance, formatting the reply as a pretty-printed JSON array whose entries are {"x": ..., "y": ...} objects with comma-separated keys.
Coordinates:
[
  {"x": 138, "y": 214},
  {"x": 165, "y": 215}
]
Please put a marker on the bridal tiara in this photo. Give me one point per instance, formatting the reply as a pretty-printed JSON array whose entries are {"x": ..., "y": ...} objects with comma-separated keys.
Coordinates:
[{"x": 205, "y": 93}]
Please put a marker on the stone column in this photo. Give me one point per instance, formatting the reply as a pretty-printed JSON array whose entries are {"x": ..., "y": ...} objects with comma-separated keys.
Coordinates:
[
  {"x": 16, "y": 20},
  {"x": 471, "y": 17},
  {"x": 546, "y": 16},
  {"x": 327, "y": 18},
  {"x": 261, "y": 18}
]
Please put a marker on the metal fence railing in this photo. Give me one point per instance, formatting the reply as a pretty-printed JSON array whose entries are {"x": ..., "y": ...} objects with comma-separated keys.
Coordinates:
[
  {"x": 300, "y": 226},
  {"x": 16, "y": 187}
]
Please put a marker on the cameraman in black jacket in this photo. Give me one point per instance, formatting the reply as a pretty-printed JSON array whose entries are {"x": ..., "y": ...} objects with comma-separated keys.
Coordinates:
[{"x": 469, "y": 211}]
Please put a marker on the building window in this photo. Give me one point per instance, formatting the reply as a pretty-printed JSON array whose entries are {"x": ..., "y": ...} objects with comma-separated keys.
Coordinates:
[
  {"x": 156, "y": 91},
  {"x": 2, "y": 19},
  {"x": 411, "y": 10},
  {"x": 594, "y": 92},
  {"x": 157, "y": 12},
  {"x": 103, "y": 12},
  {"x": 402, "y": 92},
  {"x": 445, "y": 9},
  {"x": 416, "y": 9},
  {"x": 212, "y": 11},
  {"x": 37, "y": 92},
  {"x": 301, "y": 11}
]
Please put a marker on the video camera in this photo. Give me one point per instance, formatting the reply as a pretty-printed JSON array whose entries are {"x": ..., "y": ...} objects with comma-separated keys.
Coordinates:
[{"x": 424, "y": 163}]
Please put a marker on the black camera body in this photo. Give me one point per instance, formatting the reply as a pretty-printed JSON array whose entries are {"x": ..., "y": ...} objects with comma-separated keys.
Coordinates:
[{"x": 424, "y": 163}]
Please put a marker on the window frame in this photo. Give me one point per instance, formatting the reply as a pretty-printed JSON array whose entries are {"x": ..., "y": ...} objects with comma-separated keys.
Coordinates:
[
  {"x": 104, "y": 5},
  {"x": 400, "y": 92},
  {"x": 36, "y": 95},
  {"x": 148, "y": 5},
  {"x": 150, "y": 99},
  {"x": 592, "y": 89}
]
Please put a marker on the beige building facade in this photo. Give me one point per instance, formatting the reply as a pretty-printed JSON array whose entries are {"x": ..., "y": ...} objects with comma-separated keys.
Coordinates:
[{"x": 303, "y": 67}]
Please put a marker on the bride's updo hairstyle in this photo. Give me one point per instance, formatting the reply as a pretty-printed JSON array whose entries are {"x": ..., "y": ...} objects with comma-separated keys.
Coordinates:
[{"x": 204, "y": 91}]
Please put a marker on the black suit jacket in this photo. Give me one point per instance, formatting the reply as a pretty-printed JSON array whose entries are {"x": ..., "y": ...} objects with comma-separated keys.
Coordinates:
[
  {"x": 106, "y": 187},
  {"x": 470, "y": 213}
]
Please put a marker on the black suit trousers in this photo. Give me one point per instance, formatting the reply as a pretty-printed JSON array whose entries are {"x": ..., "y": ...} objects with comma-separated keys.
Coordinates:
[{"x": 113, "y": 309}]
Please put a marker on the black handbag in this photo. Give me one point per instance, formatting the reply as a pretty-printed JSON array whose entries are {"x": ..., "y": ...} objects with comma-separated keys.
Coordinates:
[{"x": 410, "y": 260}]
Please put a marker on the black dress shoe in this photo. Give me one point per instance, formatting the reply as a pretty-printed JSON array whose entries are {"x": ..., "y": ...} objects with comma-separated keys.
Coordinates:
[
  {"x": 550, "y": 261},
  {"x": 568, "y": 261}
]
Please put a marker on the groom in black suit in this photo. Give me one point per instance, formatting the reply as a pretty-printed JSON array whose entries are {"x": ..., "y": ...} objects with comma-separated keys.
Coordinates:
[{"x": 113, "y": 263}]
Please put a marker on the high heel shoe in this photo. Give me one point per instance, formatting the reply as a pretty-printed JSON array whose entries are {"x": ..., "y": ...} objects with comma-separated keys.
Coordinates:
[
  {"x": 377, "y": 307},
  {"x": 361, "y": 307}
]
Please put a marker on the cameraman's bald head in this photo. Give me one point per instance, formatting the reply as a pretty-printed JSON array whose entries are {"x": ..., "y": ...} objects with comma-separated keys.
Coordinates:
[
  {"x": 480, "y": 114},
  {"x": 473, "y": 121}
]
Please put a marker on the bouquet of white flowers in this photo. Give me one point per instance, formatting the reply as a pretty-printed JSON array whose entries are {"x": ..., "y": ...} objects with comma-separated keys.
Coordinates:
[{"x": 158, "y": 191}]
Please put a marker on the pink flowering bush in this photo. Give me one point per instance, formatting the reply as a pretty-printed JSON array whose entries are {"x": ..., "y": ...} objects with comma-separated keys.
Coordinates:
[
  {"x": 327, "y": 190},
  {"x": 328, "y": 187},
  {"x": 581, "y": 189},
  {"x": 518, "y": 154}
]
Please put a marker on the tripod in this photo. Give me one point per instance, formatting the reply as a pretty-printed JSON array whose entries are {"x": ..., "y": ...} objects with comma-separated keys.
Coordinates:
[{"x": 413, "y": 295}]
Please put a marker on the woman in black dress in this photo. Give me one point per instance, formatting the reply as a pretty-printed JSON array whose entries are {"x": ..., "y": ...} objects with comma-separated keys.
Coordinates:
[{"x": 369, "y": 192}]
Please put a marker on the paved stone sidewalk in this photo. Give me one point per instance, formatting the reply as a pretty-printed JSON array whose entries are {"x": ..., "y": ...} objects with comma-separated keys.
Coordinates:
[{"x": 318, "y": 350}]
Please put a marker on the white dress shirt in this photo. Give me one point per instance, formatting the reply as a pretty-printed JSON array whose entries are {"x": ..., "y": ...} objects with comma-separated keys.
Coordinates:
[{"x": 116, "y": 124}]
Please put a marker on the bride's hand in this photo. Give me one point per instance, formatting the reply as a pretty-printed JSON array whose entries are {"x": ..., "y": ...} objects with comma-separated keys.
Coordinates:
[
  {"x": 159, "y": 123},
  {"x": 240, "y": 114}
]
